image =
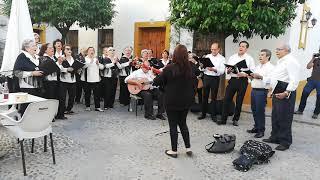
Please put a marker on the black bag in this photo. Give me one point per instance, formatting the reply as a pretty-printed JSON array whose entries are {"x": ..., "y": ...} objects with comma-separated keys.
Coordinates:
[
  {"x": 222, "y": 144},
  {"x": 252, "y": 152},
  {"x": 260, "y": 150},
  {"x": 243, "y": 163}
]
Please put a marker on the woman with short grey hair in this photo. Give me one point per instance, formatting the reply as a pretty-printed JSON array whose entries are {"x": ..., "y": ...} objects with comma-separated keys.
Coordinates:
[{"x": 27, "y": 71}]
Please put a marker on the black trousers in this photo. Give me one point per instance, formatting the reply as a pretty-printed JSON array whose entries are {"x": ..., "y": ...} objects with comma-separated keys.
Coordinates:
[
  {"x": 148, "y": 96},
  {"x": 109, "y": 90},
  {"x": 200, "y": 95},
  {"x": 79, "y": 88},
  {"x": 32, "y": 91},
  {"x": 70, "y": 89},
  {"x": 124, "y": 95},
  {"x": 89, "y": 87},
  {"x": 235, "y": 85},
  {"x": 281, "y": 118},
  {"x": 178, "y": 118},
  {"x": 51, "y": 89},
  {"x": 210, "y": 83}
]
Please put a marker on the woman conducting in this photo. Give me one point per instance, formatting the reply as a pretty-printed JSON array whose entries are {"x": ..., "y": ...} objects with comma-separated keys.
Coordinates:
[{"x": 179, "y": 82}]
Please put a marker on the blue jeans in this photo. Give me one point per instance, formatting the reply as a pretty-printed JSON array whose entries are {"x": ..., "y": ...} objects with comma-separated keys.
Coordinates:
[
  {"x": 308, "y": 88},
  {"x": 258, "y": 105}
]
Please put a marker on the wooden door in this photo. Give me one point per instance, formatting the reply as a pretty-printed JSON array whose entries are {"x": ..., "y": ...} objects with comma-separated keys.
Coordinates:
[{"x": 152, "y": 38}]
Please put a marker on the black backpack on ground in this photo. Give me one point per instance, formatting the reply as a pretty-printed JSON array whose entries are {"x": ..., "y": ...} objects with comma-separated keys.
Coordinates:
[
  {"x": 253, "y": 152},
  {"x": 222, "y": 143}
]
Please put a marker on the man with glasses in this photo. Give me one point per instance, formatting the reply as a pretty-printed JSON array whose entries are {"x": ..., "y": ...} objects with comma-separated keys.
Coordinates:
[{"x": 287, "y": 70}]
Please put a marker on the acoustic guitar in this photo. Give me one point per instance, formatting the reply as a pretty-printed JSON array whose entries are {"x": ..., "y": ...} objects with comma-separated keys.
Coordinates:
[{"x": 135, "y": 89}]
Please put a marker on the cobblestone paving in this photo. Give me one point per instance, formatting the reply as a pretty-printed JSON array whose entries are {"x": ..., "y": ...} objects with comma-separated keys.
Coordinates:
[{"x": 118, "y": 145}]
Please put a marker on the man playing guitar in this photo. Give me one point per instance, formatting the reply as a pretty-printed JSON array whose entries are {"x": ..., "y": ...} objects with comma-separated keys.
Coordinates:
[{"x": 141, "y": 78}]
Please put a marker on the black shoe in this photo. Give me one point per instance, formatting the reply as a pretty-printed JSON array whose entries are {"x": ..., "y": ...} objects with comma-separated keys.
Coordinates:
[
  {"x": 62, "y": 117},
  {"x": 189, "y": 153},
  {"x": 68, "y": 112},
  {"x": 253, "y": 130},
  {"x": 150, "y": 117},
  {"x": 315, "y": 116},
  {"x": 298, "y": 112},
  {"x": 171, "y": 155},
  {"x": 214, "y": 118},
  {"x": 220, "y": 122},
  {"x": 282, "y": 147},
  {"x": 235, "y": 123},
  {"x": 270, "y": 141},
  {"x": 202, "y": 116},
  {"x": 259, "y": 135},
  {"x": 160, "y": 116}
]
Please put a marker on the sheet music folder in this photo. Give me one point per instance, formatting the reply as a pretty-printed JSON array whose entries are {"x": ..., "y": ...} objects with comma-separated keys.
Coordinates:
[
  {"x": 206, "y": 62},
  {"x": 77, "y": 65},
  {"x": 48, "y": 67},
  {"x": 280, "y": 87},
  {"x": 234, "y": 68},
  {"x": 239, "y": 67}
]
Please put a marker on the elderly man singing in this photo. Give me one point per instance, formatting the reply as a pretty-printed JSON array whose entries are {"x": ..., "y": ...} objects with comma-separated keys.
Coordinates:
[{"x": 286, "y": 70}]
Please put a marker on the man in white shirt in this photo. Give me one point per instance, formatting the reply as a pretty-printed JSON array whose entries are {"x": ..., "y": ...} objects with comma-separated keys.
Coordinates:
[
  {"x": 237, "y": 84},
  {"x": 211, "y": 80},
  {"x": 259, "y": 93},
  {"x": 145, "y": 73},
  {"x": 287, "y": 70}
]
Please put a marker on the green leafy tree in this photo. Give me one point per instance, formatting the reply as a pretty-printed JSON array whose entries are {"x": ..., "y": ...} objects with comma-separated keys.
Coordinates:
[
  {"x": 240, "y": 18},
  {"x": 62, "y": 14},
  {"x": 218, "y": 19}
]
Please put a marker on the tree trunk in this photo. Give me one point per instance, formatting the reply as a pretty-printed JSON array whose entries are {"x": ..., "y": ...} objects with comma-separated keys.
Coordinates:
[
  {"x": 64, "y": 32},
  {"x": 202, "y": 45}
]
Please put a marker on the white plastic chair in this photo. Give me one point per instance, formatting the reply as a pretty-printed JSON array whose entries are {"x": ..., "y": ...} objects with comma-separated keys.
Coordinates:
[{"x": 35, "y": 122}]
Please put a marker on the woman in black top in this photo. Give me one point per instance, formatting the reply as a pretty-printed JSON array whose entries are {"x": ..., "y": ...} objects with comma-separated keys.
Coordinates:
[{"x": 179, "y": 82}]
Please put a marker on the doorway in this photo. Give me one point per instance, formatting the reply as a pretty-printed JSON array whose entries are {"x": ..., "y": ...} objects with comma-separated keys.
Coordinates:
[{"x": 152, "y": 35}]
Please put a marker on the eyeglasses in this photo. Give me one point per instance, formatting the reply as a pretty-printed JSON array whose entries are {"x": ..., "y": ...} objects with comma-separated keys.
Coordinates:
[
  {"x": 279, "y": 49},
  {"x": 111, "y": 49}
]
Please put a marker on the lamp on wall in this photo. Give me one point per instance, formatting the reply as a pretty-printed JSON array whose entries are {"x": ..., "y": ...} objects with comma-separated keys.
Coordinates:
[{"x": 305, "y": 21}]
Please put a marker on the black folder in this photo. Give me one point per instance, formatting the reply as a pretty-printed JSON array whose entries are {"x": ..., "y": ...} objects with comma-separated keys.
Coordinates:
[
  {"x": 206, "y": 62},
  {"x": 234, "y": 68},
  {"x": 280, "y": 87},
  {"x": 48, "y": 67},
  {"x": 77, "y": 65},
  {"x": 242, "y": 65},
  {"x": 248, "y": 72}
]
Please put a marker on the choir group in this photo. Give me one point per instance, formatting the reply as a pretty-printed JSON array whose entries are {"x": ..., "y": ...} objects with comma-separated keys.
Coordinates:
[{"x": 52, "y": 71}]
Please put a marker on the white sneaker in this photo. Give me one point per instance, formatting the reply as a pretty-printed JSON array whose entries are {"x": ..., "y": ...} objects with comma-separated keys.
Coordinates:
[
  {"x": 87, "y": 109},
  {"x": 99, "y": 109}
]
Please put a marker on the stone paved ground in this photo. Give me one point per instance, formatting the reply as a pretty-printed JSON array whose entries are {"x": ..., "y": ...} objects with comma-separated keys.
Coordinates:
[{"x": 117, "y": 145}]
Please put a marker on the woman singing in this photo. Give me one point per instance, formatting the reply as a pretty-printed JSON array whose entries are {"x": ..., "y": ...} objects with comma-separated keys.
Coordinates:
[
  {"x": 179, "y": 82},
  {"x": 124, "y": 67},
  {"x": 27, "y": 70}
]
